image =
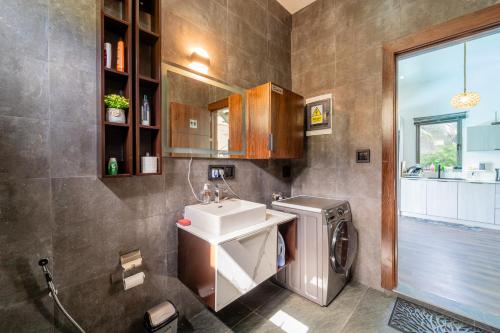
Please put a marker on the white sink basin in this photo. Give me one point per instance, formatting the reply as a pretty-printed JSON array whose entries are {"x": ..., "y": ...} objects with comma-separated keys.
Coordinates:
[{"x": 227, "y": 216}]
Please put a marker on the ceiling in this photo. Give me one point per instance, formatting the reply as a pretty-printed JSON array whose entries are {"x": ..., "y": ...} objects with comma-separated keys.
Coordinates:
[{"x": 294, "y": 6}]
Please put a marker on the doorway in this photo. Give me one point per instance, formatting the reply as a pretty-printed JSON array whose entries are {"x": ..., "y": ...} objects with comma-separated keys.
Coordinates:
[
  {"x": 453, "y": 32},
  {"x": 448, "y": 234}
]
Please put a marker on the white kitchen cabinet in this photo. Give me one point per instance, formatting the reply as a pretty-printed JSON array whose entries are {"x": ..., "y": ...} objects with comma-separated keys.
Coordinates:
[
  {"x": 476, "y": 202},
  {"x": 483, "y": 138},
  {"x": 244, "y": 263},
  {"x": 413, "y": 196},
  {"x": 442, "y": 198},
  {"x": 497, "y": 196}
]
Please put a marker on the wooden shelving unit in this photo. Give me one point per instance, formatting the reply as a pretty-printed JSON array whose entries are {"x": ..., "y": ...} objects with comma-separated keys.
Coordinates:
[
  {"x": 137, "y": 23},
  {"x": 147, "y": 71},
  {"x": 116, "y": 140}
]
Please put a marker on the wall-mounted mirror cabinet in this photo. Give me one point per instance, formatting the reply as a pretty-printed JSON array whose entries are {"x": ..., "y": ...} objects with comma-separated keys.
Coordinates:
[{"x": 202, "y": 117}]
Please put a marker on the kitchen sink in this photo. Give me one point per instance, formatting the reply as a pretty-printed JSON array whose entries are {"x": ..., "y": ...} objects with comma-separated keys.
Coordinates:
[{"x": 226, "y": 216}]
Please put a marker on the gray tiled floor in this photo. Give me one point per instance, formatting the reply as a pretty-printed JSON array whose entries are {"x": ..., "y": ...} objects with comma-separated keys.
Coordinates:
[{"x": 270, "y": 308}]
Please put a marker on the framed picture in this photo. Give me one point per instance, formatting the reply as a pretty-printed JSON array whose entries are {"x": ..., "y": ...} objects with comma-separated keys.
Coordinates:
[{"x": 319, "y": 115}]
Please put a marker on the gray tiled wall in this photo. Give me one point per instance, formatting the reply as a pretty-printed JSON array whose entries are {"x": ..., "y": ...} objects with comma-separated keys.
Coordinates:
[
  {"x": 51, "y": 202},
  {"x": 337, "y": 47}
]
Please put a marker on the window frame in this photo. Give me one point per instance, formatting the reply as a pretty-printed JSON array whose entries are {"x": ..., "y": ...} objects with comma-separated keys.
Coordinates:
[{"x": 442, "y": 119}]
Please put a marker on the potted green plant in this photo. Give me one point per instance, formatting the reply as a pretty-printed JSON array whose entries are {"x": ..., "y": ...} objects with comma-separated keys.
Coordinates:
[{"x": 115, "y": 108}]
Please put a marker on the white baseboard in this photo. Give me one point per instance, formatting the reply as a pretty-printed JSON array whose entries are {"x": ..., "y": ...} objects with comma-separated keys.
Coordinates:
[{"x": 455, "y": 221}]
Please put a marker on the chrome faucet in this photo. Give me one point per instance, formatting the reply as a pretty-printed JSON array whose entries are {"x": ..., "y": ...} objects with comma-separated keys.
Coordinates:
[
  {"x": 218, "y": 193},
  {"x": 439, "y": 171}
]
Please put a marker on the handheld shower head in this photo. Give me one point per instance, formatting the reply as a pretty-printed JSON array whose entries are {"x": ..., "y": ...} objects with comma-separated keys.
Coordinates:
[
  {"x": 43, "y": 263},
  {"x": 53, "y": 292}
]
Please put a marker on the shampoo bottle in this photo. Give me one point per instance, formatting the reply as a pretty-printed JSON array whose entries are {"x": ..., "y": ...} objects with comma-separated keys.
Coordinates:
[
  {"x": 112, "y": 167},
  {"x": 120, "y": 56}
]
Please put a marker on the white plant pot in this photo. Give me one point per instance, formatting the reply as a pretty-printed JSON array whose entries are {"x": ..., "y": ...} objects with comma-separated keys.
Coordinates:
[{"x": 115, "y": 116}]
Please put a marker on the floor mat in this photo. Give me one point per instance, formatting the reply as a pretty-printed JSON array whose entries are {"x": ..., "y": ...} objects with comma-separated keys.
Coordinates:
[{"x": 408, "y": 317}]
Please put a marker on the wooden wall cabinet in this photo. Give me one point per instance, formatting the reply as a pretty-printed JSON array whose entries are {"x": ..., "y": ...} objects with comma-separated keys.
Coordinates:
[{"x": 275, "y": 123}]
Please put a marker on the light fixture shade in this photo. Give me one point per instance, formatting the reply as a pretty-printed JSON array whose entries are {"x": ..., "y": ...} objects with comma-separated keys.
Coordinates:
[
  {"x": 465, "y": 100},
  {"x": 200, "y": 61}
]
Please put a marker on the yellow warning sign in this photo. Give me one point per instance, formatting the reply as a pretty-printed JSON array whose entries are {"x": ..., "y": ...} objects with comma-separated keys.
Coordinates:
[{"x": 317, "y": 115}]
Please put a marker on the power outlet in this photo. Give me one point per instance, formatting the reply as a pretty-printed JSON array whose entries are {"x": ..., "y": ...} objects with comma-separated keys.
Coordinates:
[{"x": 215, "y": 171}]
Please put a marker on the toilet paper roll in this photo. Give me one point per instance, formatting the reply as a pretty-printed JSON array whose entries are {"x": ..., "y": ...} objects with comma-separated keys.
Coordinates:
[
  {"x": 133, "y": 280},
  {"x": 149, "y": 164}
]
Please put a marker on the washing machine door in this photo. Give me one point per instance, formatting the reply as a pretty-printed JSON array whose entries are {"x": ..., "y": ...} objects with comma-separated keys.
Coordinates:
[{"x": 343, "y": 247}]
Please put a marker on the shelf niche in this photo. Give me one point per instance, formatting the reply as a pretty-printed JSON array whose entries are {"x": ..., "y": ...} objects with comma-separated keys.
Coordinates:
[
  {"x": 147, "y": 69},
  {"x": 116, "y": 140}
]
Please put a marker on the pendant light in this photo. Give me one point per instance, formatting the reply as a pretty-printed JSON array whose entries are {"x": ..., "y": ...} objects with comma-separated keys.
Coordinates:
[{"x": 467, "y": 99}]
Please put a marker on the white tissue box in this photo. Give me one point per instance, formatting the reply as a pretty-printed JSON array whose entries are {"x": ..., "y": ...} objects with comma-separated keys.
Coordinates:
[{"x": 149, "y": 164}]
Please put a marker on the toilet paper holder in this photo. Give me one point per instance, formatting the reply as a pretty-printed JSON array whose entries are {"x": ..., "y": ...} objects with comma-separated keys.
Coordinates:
[{"x": 129, "y": 262}]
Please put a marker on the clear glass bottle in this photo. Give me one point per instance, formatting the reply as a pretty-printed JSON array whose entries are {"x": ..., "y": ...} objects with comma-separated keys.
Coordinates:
[
  {"x": 145, "y": 112},
  {"x": 206, "y": 194}
]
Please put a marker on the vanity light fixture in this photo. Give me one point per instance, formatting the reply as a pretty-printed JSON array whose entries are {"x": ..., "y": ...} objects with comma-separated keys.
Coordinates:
[
  {"x": 200, "y": 61},
  {"x": 467, "y": 99}
]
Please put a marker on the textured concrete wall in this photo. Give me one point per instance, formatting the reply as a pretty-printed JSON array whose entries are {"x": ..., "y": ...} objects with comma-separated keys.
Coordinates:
[
  {"x": 337, "y": 47},
  {"x": 51, "y": 202}
]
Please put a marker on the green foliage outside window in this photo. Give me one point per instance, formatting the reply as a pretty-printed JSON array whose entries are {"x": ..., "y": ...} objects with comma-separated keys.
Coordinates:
[{"x": 446, "y": 156}]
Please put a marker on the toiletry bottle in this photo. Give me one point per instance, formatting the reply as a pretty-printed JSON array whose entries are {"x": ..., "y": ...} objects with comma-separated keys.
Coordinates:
[
  {"x": 145, "y": 111},
  {"x": 112, "y": 167},
  {"x": 120, "y": 56},
  {"x": 205, "y": 194},
  {"x": 107, "y": 55}
]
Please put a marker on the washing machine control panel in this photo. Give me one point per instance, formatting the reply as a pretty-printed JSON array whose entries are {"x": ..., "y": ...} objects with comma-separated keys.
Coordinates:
[{"x": 337, "y": 213}]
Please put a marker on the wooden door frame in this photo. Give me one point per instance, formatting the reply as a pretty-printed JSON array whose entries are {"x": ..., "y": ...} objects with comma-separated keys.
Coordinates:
[{"x": 457, "y": 28}]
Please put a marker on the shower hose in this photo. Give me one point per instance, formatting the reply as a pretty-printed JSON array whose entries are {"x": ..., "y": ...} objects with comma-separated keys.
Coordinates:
[{"x": 53, "y": 292}]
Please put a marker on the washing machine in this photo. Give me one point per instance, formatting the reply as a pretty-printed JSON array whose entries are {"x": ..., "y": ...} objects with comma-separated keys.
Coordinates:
[{"x": 326, "y": 247}]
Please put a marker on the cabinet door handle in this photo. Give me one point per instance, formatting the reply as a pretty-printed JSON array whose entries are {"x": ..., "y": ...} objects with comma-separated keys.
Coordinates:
[{"x": 270, "y": 142}]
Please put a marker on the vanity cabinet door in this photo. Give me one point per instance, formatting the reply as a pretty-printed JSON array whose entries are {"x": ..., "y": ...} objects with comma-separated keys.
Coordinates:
[{"x": 244, "y": 263}]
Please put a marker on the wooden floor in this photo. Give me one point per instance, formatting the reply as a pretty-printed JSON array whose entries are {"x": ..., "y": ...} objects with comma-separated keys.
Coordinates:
[{"x": 455, "y": 262}]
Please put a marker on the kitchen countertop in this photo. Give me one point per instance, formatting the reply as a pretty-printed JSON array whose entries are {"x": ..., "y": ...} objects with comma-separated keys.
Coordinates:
[
  {"x": 454, "y": 180},
  {"x": 273, "y": 217}
]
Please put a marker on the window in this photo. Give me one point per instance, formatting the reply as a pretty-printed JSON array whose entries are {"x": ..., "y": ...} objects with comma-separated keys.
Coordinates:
[{"x": 439, "y": 140}]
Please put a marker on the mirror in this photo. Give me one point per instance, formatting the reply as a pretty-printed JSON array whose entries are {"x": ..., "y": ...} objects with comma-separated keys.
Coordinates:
[{"x": 202, "y": 117}]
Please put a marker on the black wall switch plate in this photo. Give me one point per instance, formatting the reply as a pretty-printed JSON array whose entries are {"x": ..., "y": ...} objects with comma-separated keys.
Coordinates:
[{"x": 214, "y": 172}]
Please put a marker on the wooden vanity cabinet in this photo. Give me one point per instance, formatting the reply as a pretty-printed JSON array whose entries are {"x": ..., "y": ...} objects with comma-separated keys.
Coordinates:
[
  {"x": 275, "y": 123},
  {"x": 221, "y": 273}
]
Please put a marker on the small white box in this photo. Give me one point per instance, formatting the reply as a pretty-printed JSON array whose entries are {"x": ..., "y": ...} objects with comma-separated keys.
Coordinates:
[{"x": 149, "y": 164}]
